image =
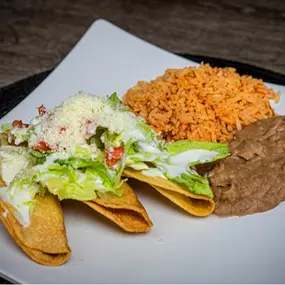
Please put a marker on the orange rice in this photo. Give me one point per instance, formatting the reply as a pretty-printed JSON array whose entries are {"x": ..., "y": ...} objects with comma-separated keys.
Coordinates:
[{"x": 204, "y": 103}]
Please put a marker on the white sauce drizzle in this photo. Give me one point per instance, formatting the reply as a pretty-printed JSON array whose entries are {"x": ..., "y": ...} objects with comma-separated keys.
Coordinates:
[
  {"x": 11, "y": 164},
  {"x": 154, "y": 172}
]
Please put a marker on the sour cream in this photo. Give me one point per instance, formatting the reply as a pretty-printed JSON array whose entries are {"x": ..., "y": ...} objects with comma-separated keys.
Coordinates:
[
  {"x": 11, "y": 164},
  {"x": 193, "y": 155},
  {"x": 179, "y": 164},
  {"x": 20, "y": 201},
  {"x": 147, "y": 147},
  {"x": 154, "y": 172}
]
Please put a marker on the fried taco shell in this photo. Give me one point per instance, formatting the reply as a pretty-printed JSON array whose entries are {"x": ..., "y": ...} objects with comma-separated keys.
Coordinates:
[
  {"x": 196, "y": 205},
  {"x": 44, "y": 240},
  {"x": 2, "y": 182},
  {"x": 127, "y": 211}
]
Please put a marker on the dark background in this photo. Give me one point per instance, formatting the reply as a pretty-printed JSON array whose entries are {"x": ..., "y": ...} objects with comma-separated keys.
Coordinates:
[{"x": 35, "y": 34}]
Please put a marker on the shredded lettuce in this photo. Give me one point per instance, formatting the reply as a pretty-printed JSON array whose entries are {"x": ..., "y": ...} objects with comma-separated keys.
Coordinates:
[
  {"x": 96, "y": 139},
  {"x": 115, "y": 102},
  {"x": 111, "y": 139},
  {"x": 194, "y": 182},
  {"x": 66, "y": 189},
  {"x": 6, "y": 127},
  {"x": 24, "y": 181},
  {"x": 79, "y": 179},
  {"x": 149, "y": 134},
  {"x": 133, "y": 149},
  {"x": 137, "y": 159},
  {"x": 180, "y": 146},
  {"x": 37, "y": 153},
  {"x": 31, "y": 203},
  {"x": 146, "y": 157},
  {"x": 137, "y": 165},
  {"x": 87, "y": 153},
  {"x": 68, "y": 183},
  {"x": 82, "y": 152},
  {"x": 209, "y": 151},
  {"x": 38, "y": 156}
]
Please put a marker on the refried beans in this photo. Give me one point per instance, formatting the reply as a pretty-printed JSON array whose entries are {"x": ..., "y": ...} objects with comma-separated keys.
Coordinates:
[{"x": 252, "y": 179}]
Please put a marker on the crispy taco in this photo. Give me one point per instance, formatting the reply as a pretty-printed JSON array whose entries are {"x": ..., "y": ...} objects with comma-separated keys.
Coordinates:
[
  {"x": 44, "y": 239},
  {"x": 194, "y": 204},
  {"x": 127, "y": 212},
  {"x": 170, "y": 169},
  {"x": 77, "y": 151},
  {"x": 35, "y": 222}
]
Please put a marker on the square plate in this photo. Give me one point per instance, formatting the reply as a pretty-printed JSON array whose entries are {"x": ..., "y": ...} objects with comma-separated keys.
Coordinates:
[{"x": 180, "y": 248}]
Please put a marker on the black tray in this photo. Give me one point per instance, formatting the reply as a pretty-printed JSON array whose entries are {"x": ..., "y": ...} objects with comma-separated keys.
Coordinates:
[{"x": 13, "y": 94}]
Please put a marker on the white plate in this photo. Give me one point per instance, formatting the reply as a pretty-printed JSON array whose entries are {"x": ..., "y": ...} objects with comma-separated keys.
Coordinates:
[{"x": 179, "y": 249}]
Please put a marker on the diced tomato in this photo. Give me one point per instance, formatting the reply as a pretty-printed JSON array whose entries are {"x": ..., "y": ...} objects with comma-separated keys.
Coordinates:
[
  {"x": 114, "y": 156},
  {"x": 90, "y": 128},
  {"x": 42, "y": 110},
  {"x": 42, "y": 146},
  {"x": 62, "y": 130},
  {"x": 118, "y": 152},
  {"x": 17, "y": 123}
]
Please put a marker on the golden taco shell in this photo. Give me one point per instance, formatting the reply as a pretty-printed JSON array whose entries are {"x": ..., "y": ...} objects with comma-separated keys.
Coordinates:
[
  {"x": 2, "y": 182},
  {"x": 44, "y": 240},
  {"x": 197, "y": 205},
  {"x": 127, "y": 211}
]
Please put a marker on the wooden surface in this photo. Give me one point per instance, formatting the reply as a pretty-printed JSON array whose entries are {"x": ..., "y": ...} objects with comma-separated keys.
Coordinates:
[{"x": 36, "y": 34}]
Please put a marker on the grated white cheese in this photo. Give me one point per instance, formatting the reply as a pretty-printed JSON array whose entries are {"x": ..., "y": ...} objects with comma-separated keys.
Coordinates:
[{"x": 73, "y": 115}]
